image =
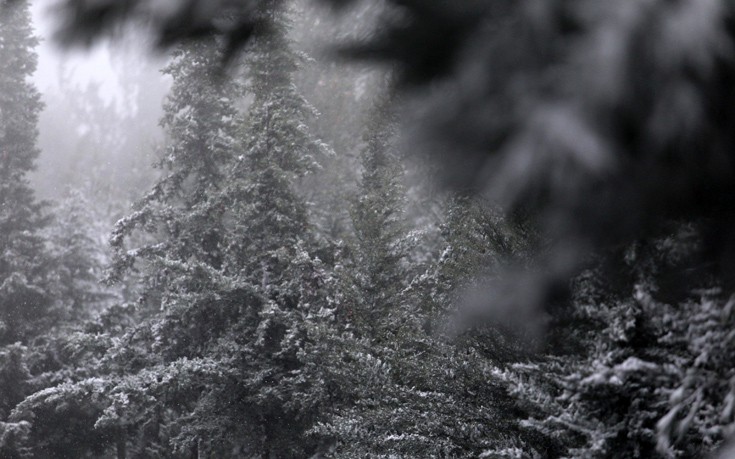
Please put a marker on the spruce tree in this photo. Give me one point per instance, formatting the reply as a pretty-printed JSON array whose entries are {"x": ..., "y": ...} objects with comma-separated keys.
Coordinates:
[
  {"x": 212, "y": 366},
  {"x": 397, "y": 387},
  {"x": 376, "y": 274},
  {"x": 78, "y": 256},
  {"x": 114, "y": 354},
  {"x": 26, "y": 311},
  {"x": 269, "y": 257},
  {"x": 23, "y": 262},
  {"x": 63, "y": 355},
  {"x": 179, "y": 266}
]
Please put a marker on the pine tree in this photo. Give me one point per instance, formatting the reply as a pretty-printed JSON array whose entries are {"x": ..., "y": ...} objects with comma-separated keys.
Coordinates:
[
  {"x": 55, "y": 359},
  {"x": 116, "y": 352},
  {"x": 23, "y": 268},
  {"x": 228, "y": 278},
  {"x": 397, "y": 387},
  {"x": 268, "y": 245},
  {"x": 25, "y": 283},
  {"x": 375, "y": 274},
  {"x": 180, "y": 265},
  {"x": 78, "y": 256}
]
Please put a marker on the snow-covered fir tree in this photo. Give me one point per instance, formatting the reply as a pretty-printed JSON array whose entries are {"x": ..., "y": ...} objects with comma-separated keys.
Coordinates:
[
  {"x": 61, "y": 355},
  {"x": 375, "y": 277},
  {"x": 212, "y": 365},
  {"x": 115, "y": 351},
  {"x": 24, "y": 300},
  {"x": 26, "y": 310},
  {"x": 397, "y": 387},
  {"x": 272, "y": 279},
  {"x": 78, "y": 256}
]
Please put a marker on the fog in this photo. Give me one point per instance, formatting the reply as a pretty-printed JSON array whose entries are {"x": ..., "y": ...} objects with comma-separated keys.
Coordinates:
[
  {"x": 99, "y": 127},
  {"x": 82, "y": 65}
]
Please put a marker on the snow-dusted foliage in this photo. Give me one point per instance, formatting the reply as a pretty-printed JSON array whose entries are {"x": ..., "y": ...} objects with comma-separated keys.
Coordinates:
[
  {"x": 24, "y": 296},
  {"x": 644, "y": 373},
  {"x": 77, "y": 255},
  {"x": 573, "y": 299},
  {"x": 397, "y": 387},
  {"x": 26, "y": 281},
  {"x": 211, "y": 365}
]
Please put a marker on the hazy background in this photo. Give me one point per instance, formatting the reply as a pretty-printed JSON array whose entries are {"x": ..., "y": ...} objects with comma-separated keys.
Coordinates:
[
  {"x": 99, "y": 131},
  {"x": 99, "y": 128}
]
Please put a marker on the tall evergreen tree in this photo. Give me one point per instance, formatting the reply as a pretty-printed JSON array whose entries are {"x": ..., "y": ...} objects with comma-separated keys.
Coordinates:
[
  {"x": 267, "y": 257},
  {"x": 117, "y": 352},
  {"x": 61, "y": 356},
  {"x": 213, "y": 366},
  {"x": 398, "y": 387},
  {"x": 23, "y": 268},
  {"x": 180, "y": 265},
  {"x": 25, "y": 286},
  {"x": 78, "y": 257},
  {"x": 375, "y": 274}
]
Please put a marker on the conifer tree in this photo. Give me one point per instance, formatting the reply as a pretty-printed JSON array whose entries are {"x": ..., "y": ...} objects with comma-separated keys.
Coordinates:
[
  {"x": 213, "y": 367},
  {"x": 23, "y": 268},
  {"x": 77, "y": 256},
  {"x": 61, "y": 356},
  {"x": 397, "y": 387},
  {"x": 25, "y": 283},
  {"x": 638, "y": 375},
  {"x": 116, "y": 351},
  {"x": 180, "y": 265},
  {"x": 268, "y": 260},
  {"x": 375, "y": 274}
]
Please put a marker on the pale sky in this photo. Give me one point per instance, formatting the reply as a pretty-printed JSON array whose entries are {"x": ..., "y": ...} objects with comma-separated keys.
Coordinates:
[{"x": 79, "y": 65}]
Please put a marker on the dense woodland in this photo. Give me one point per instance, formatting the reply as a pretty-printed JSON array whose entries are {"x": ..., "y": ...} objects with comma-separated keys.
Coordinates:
[{"x": 506, "y": 234}]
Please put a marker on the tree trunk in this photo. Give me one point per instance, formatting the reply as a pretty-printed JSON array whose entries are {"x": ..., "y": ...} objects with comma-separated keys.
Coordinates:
[
  {"x": 121, "y": 444},
  {"x": 196, "y": 450}
]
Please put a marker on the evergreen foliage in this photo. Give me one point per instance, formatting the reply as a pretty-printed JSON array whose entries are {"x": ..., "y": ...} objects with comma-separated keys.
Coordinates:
[
  {"x": 396, "y": 386},
  {"x": 228, "y": 279},
  {"x": 648, "y": 377},
  {"x": 14, "y": 380},
  {"x": 24, "y": 262},
  {"x": 77, "y": 257},
  {"x": 46, "y": 271},
  {"x": 261, "y": 329},
  {"x": 24, "y": 298}
]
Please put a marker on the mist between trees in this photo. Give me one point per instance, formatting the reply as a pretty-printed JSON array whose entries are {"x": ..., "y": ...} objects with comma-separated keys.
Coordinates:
[{"x": 396, "y": 229}]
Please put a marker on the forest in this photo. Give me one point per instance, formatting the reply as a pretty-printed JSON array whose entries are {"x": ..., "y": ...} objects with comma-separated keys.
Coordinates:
[{"x": 371, "y": 229}]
